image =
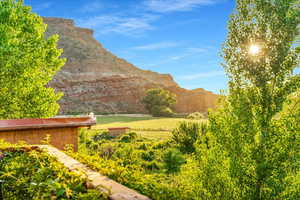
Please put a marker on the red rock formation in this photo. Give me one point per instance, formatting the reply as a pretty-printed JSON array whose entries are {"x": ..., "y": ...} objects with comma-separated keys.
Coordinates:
[{"x": 94, "y": 79}]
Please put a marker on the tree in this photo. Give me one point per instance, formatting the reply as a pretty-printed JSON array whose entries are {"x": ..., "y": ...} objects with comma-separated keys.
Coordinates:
[
  {"x": 159, "y": 101},
  {"x": 28, "y": 63},
  {"x": 260, "y": 59},
  {"x": 253, "y": 153}
]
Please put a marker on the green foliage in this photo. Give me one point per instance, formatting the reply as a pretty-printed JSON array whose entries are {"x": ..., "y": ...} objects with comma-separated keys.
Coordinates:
[
  {"x": 196, "y": 116},
  {"x": 292, "y": 105},
  {"x": 102, "y": 136},
  {"x": 128, "y": 137},
  {"x": 27, "y": 173},
  {"x": 161, "y": 111},
  {"x": 159, "y": 101},
  {"x": 253, "y": 148},
  {"x": 28, "y": 63},
  {"x": 187, "y": 134},
  {"x": 148, "y": 155},
  {"x": 173, "y": 159},
  {"x": 137, "y": 163},
  {"x": 155, "y": 185}
]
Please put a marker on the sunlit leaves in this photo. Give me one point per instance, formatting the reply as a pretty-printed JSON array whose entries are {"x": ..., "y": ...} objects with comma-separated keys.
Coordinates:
[
  {"x": 28, "y": 62},
  {"x": 260, "y": 142}
]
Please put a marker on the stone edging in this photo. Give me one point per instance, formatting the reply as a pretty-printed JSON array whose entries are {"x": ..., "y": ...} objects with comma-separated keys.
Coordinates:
[{"x": 114, "y": 190}]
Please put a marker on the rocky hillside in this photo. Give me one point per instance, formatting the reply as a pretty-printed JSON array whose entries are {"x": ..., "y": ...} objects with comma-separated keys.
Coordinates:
[{"x": 94, "y": 79}]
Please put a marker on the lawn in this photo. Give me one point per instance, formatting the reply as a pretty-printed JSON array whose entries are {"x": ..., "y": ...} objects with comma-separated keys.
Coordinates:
[
  {"x": 149, "y": 127},
  {"x": 123, "y": 119}
]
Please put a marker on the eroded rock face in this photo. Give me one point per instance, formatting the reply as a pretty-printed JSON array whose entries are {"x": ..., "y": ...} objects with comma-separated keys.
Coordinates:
[{"x": 93, "y": 79}]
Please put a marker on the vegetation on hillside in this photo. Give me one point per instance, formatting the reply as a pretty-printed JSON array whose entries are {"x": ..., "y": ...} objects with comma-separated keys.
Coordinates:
[
  {"x": 159, "y": 102},
  {"x": 28, "y": 62}
]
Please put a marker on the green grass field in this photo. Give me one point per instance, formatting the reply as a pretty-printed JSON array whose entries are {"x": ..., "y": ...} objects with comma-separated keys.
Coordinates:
[
  {"x": 123, "y": 119},
  {"x": 148, "y": 127}
]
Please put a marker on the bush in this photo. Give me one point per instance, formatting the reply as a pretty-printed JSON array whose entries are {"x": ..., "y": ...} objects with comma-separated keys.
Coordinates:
[
  {"x": 162, "y": 111},
  {"x": 158, "y": 102},
  {"x": 148, "y": 155},
  {"x": 28, "y": 173},
  {"x": 186, "y": 135},
  {"x": 128, "y": 137},
  {"x": 173, "y": 159},
  {"x": 102, "y": 136},
  {"x": 154, "y": 185},
  {"x": 196, "y": 116},
  {"x": 106, "y": 150},
  {"x": 153, "y": 165},
  {"x": 137, "y": 164}
]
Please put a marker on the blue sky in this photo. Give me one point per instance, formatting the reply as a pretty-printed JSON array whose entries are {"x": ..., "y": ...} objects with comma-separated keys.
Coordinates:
[{"x": 180, "y": 37}]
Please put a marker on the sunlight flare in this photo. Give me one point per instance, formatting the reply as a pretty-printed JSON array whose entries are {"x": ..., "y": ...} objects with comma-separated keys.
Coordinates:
[{"x": 254, "y": 49}]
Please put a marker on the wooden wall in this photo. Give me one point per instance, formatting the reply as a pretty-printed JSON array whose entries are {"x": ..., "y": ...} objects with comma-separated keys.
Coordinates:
[{"x": 59, "y": 137}]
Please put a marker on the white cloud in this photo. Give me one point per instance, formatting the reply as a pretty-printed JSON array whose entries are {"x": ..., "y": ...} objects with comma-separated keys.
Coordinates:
[
  {"x": 188, "y": 52},
  {"x": 163, "y": 6},
  {"x": 155, "y": 46},
  {"x": 178, "y": 57},
  {"x": 193, "y": 50},
  {"x": 91, "y": 7},
  {"x": 125, "y": 25},
  {"x": 202, "y": 75},
  {"x": 42, "y": 6},
  {"x": 134, "y": 22}
]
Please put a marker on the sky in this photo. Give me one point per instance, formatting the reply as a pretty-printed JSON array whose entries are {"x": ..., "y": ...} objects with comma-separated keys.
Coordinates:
[{"x": 179, "y": 37}]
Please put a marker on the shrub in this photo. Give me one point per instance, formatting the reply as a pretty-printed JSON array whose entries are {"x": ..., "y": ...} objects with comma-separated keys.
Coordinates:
[
  {"x": 158, "y": 102},
  {"x": 162, "y": 111},
  {"x": 173, "y": 159},
  {"x": 127, "y": 155},
  {"x": 155, "y": 186},
  {"x": 196, "y": 116},
  {"x": 153, "y": 165},
  {"x": 27, "y": 173},
  {"x": 137, "y": 164},
  {"x": 128, "y": 137},
  {"x": 102, "y": 136},
  {"x": 162, "y": 144},
  {"x": 148, "y": 155},
  {"x": 143, "y": 146},
  {"x": 187, "y": 133}
]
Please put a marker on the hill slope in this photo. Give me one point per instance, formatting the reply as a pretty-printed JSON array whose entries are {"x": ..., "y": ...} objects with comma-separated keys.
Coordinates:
[{"x": 94, "y": 79}]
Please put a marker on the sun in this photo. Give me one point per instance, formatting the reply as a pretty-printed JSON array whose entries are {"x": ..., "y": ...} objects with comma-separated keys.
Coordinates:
[{"x": 254, "y": 49}]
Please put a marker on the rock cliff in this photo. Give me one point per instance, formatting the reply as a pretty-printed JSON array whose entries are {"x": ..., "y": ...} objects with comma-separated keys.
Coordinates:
[{"x": 93, "y": 79}]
